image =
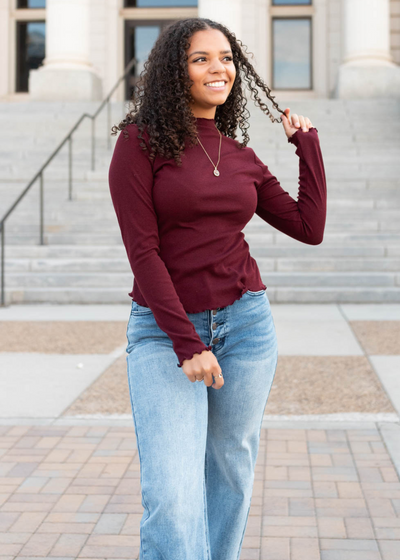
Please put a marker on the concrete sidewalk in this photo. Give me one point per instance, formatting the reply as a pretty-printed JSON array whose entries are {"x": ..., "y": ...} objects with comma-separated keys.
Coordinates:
[{"x": 327, "y": 476}]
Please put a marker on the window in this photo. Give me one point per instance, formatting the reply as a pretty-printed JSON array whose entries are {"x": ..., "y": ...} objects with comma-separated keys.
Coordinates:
[
  {"x": 159, "y": 3},
  {"x": 31, "y": 3},
  {"x": 291, "y": 2},
  {"x": 291, "y": 53},
  {"x": 30, "y": 50}
]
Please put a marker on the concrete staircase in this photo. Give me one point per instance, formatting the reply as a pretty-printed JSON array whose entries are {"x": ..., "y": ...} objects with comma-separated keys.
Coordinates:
[{"x": 84, "y": 259}]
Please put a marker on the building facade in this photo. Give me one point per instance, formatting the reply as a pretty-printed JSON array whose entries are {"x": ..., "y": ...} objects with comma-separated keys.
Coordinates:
[{"x": 77, "y": 49}]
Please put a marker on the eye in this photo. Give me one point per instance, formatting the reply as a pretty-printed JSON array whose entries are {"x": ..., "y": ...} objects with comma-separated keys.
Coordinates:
[{"x": 203, "y": 58}]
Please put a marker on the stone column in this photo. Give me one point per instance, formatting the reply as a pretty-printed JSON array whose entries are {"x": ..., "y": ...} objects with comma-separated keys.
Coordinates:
[
  {"x": 4, "y": 47},
  {"x": 227, "y": 12},
  {"x": 367, "y": 69},
  {"x": 67, "y": 73}
]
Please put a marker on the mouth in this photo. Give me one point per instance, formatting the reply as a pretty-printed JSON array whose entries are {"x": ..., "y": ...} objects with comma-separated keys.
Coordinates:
[{"x": 219, "y": 87}]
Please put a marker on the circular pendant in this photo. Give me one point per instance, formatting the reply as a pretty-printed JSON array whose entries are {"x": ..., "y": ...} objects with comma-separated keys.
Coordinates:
[{"x": 216, "y": 172}]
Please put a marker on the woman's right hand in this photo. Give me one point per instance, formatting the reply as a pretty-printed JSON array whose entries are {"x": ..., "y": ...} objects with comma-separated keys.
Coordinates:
[{"x": 203, "y": 365}]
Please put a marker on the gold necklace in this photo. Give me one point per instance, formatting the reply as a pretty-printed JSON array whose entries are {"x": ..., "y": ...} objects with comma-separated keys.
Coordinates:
[{"x": 216, "y": 172}]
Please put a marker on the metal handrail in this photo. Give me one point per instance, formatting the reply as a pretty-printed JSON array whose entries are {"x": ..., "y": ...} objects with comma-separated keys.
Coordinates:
[{"x": 39, "y": 174}]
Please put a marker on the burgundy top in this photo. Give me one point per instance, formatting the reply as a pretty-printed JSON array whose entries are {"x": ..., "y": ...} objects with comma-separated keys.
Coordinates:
[{"x": 182, "y": 226}]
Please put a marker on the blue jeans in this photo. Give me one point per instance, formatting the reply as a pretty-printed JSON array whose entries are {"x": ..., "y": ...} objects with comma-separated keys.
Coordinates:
[{"x": 198, "y": 445}]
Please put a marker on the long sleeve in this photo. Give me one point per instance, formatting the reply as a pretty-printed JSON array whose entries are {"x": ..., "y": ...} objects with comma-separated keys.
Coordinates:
[
  {"x": 305, "y": 218},
  {"x": 130, "y": 183}
]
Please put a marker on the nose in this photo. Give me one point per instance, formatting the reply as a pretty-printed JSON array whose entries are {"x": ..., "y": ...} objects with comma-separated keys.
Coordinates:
[{"x": 218, "y": 67}]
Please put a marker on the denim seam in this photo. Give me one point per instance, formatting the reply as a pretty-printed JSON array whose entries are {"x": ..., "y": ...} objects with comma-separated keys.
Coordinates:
[
  {"x": 138, "y": 447},
  {"x": 259, "y": 436},
  {"x": 244, "y": 530},
  {"x": 205, "y": 507}
]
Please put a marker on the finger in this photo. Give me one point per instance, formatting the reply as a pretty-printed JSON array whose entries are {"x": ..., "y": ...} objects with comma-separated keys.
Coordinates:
[
  {"x": 285, "y": 120},
  {"x": 309, "y": 123},
  {"x": 218, "y": 381},
  {"x": 208, "y": 379},
  {"x": 303, "y": 123},
  {"x": 295, "y": 120}
]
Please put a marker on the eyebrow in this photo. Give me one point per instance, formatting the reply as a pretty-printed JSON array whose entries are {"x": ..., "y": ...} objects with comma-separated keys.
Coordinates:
[{"x": 204, "y": 52}]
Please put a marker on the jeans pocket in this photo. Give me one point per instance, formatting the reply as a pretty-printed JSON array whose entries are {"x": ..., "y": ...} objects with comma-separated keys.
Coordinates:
[
  {"x": 258, "y": 293},
  {"x": 138, "y": 309}
]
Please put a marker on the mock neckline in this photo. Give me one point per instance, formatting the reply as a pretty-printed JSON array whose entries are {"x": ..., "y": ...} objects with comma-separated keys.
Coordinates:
[{"x": 205, "y": 123}]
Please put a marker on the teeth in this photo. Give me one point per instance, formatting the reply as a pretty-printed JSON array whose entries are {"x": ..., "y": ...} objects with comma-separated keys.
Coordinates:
[{"x": 216, "y": 84}]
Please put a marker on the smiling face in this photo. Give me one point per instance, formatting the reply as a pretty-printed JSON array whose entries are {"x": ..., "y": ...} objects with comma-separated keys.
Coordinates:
[{"x": 210, "y": 61}]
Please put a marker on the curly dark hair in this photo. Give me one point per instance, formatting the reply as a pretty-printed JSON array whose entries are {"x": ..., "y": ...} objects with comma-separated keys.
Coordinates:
[{"x": 162, "y": 95}]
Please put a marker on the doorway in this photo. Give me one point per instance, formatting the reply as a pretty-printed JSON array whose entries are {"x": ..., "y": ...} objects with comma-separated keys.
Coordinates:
[{"x": 140, "y": 36}]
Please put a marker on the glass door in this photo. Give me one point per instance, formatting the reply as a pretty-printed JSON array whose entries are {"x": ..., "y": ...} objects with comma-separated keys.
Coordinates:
[{"x": 140, "y": 36}]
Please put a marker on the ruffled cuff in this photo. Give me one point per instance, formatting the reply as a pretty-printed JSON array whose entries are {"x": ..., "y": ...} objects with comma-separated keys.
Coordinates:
[
  {"x": 190, "y": 355},
  {"x": 295, "y": 137}
]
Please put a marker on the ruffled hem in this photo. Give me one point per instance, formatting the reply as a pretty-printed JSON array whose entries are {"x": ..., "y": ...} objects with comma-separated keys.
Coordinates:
[
  {"x": 300, "y": 130},
  {"x": 243, "y": 291},
  {"x": 189, "y": 357}
]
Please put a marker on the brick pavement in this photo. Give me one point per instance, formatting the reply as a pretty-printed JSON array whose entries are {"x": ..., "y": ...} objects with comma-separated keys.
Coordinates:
[{"x": 73, "y": 491}]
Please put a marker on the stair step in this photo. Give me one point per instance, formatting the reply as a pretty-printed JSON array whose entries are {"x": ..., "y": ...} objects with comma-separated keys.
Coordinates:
[{"x": 275, "y": 295}]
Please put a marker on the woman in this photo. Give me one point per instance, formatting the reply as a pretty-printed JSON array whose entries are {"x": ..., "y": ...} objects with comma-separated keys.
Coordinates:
[{"x": 183, "y": 189}]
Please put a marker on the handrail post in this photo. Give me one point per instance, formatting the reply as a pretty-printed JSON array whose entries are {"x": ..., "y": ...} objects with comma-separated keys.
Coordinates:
[
  {"x": 2, "y": 263},
  {"x": 93, "y": 142},
  {"x": 41, "y": 208},
  {"x": 70, "y": 168}
]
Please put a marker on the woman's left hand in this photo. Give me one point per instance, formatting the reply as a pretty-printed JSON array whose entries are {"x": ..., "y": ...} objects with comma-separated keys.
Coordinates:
[{"x": 293, "y": 123}]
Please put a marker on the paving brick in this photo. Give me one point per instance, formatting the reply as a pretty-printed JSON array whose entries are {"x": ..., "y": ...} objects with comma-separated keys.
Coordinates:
[
  {"x": 273, "y": 548},
  {"x": 94, "y": 503},
  {"x": 14, "y": 538},
  {"x": 276, "y": 506},
  {"x": 321, "y": 460},
  {"x": 302, "y": 506},
  {"x": 331, "y": 527},
  {"x": 289, "y": 531},
  {"x": 336, "y": 435},
  {"x": 343, "y": 460},
  {"x": 10, "y": 549},
  {"x": 386, "y": 521},
  {"x": 68, "y": 545},
  {"x": 39, "y": 544},
  {"x": 345, "y": 474},
  {"x": 359, "y": 528},
  {"x": 349, "y": 490},
  {"x": 380, "y": 507},
  {"x": 110, "y": 523},
  {"x": 78, "y": 528},
  {"x": 361, "y": 447},
  {"x": 7, "y": 519},
  {"x": 299, "y": 473},
  {"x": 27, "y": 522},
  {"x": 386, "y": 533},
  {"x": 102, "y": 552},
  {"x": 68, "y": 503},
  {"x": 304, "y": 549},
  {"x": 317, "y": 435},
  {"x": 389, "y": 550},
  {"x": 349, "y": 544},
  {"x": 72, "y": 517},
  {"x": 389, "y": 474},
  {"x": 350, "y": 555},
  {"x": 341, "y": 507},
  {"x": 370, "y": 474},
  {"x": 325, "y": 490}
]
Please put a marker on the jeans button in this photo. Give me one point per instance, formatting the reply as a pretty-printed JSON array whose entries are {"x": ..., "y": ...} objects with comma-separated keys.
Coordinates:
[
  {"x": 214, "y": 311},
  {"x": 214, "y": 325},
  {"x": 215, "y": 340}
]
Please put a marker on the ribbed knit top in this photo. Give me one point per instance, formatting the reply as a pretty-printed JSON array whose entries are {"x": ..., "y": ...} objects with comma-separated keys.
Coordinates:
[{"x": 182, "y": 226}]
